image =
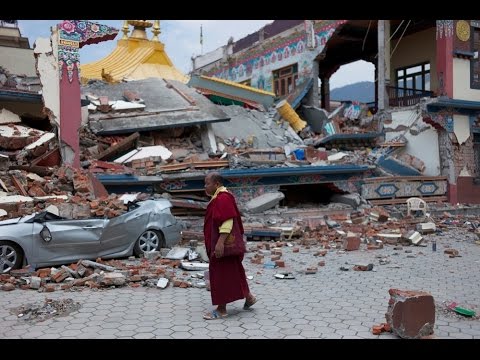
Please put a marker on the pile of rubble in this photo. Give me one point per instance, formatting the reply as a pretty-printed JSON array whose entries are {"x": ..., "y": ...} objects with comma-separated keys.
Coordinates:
[
  {"x": 33, "y": 313},
  {"x": 153, "y": 270},
  {"x": 74, "y": 193},
  {"x": 9, "y": 81}
]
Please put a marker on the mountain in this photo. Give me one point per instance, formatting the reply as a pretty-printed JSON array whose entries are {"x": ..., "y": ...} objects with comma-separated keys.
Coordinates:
[{"x": 363, "y": 91}]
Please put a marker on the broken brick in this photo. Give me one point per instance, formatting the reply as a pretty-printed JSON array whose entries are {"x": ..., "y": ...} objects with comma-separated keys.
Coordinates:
[
  {"x": 351, "y": 243},
  {"x": 49, "y": 288},
  {"x": 451, "y": 252},
  {"x": 8, "y": 287},
  {"x": 411, "y": 313}
]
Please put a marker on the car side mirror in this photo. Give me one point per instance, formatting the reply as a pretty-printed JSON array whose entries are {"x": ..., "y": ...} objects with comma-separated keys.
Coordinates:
[{"x": 46, "y": 234}]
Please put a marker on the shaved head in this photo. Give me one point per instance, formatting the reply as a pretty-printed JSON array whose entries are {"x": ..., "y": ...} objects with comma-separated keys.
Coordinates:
[
  {"x": 213, "y": 181},
  {"x": 215, "y": 177}
]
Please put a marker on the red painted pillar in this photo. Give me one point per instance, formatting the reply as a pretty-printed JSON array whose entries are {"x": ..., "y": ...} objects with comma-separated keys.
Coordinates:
[
  {"x": 70, "y": 115},
  {"x": 445, "y": 57},
  {"x": 73, "y": 34}
]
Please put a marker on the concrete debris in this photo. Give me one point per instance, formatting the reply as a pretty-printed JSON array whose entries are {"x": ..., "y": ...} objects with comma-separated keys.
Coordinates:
[
  {"x": 426, "y": 228},
  {"x": 193, "y": 266},
  {"x": 34, "y": 313},
  {"x": 8, "y": 117},
  {"x": 264, "y": 202},
  {"x": 162, "y": 283},
  {"x": 113, "y": 279},
  {"x": 177, "y": 253}
]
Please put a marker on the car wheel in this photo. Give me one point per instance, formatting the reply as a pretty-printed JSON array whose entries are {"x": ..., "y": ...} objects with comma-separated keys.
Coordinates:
[
  {"x": 11, "y": 256},
  {"x": 150, "y": 240}
]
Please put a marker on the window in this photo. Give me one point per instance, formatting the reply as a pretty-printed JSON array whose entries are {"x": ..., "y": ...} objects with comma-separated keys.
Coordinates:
[
  {"x": 416, "y": 77},
  {"x": 284, "y": 80},
  {"x": 475, "y": 62}
]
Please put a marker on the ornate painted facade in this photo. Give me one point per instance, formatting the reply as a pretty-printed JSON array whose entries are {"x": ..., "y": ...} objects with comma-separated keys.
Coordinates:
[
  {"x": 74, "y": 34},
  {"x": 257, "y": 63}
]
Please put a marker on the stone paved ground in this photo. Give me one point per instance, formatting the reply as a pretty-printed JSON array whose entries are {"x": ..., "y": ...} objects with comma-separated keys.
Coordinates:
[{"x": 328, "y": 304}]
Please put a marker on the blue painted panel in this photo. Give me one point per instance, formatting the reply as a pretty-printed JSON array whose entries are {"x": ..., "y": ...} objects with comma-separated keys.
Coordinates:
[{"x": 395, "y": 167}]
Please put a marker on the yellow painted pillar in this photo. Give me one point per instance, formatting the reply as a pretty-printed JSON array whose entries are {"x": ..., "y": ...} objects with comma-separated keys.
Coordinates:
[{"x": 289, "y": 114}]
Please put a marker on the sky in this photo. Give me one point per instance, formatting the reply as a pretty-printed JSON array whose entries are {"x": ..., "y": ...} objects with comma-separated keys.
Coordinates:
[{"x": 182, "y": 41}]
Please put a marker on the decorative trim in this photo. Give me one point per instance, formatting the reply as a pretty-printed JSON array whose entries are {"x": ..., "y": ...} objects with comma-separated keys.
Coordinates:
[
  {"x": 444, "y": 28},
  {"x": 463, "y": 30},
  {"x": 73, "y": 34}
]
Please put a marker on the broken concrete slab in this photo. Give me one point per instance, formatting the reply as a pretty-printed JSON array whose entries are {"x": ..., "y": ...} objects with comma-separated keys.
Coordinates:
[
  {"x": 165, "y": 107},
  {"x": 264, "y": 202},
  {"x": 8, "y": 117},
  {"x": 194, "y": 266},
  {"x": 145, "y": 152},
  {"x": 162, "y": 283},
  {"x": 113, "y": 278},
  {"x": 124, "y": 106},
  {"x": 315, "y": 117},
  {"x": 426, "y": 228},
  {"x": 354, "y": 200},
  {"x": 411, "y": 313},
  {"x": 44, "y": 139},
  {"x": 16, "y": 137},
  {"x": 413, "y": 237},
  {"x": 177, "y": 253},
  {"x": 96, "y": 265},
  {"x": 245, "y": 124}
]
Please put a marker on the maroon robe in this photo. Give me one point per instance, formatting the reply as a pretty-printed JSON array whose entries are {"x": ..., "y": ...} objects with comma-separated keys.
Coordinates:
[{"x": 228, "y": 281}]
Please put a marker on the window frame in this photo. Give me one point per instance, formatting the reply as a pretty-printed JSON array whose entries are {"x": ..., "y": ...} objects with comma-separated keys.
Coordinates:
[
  {"x": 282, "y": 77},
  {"x": 413, "y": 76}
]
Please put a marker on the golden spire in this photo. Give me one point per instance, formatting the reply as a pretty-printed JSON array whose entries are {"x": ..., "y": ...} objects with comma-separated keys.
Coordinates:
[
  {"x": 156, "y": 30},
  {"x": 125, "y": 30},
  {"x": 139, "y": 27}
]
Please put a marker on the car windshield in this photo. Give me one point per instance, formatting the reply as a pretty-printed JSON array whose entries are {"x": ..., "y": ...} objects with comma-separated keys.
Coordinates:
[{"x": 43, "y": 216}]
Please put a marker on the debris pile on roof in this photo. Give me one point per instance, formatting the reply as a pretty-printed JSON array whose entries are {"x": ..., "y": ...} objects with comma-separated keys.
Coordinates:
[{"x": 19, "y": 82}]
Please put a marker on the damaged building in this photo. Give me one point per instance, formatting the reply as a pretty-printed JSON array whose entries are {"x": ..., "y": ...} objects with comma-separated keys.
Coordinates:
[
  {"x": 254, "y": 110},
  {"x": 426, "y": 94}
]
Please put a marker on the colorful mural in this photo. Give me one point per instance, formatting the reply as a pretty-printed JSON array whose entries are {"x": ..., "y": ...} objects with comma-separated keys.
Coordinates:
[
  {"x": 257, "y": 65},
  {"x": 403, "y": 189},
  {"x": 73, "y": 34}
]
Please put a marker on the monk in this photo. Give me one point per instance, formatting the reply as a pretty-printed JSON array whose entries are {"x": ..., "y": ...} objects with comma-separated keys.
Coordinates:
[{"x": 228, "y": 281}]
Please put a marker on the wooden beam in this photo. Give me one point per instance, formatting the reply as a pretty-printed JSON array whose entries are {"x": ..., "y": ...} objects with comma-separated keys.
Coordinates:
[
  {"x": 19, "y": 185},
  {"x": 121, "y": 146},
  {"x": 39, "y": 170}
]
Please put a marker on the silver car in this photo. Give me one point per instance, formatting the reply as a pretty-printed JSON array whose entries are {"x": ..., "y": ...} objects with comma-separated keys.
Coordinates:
[{"x": 44, "y": 239}]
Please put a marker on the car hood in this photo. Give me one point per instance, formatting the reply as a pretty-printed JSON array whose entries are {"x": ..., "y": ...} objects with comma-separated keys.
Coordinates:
[{"x": 16, "y": 220}]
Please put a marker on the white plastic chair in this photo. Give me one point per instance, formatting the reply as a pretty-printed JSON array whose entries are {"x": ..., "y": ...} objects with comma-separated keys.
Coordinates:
[{"x": 416, "y": 204}]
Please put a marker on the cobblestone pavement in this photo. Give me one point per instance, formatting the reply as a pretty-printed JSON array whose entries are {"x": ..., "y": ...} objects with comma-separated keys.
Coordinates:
[{"x": 329, "y": 304}]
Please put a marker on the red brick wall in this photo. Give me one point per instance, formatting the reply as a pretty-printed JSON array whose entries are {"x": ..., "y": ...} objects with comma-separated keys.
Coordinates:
[{"x": 464, "y": 155}]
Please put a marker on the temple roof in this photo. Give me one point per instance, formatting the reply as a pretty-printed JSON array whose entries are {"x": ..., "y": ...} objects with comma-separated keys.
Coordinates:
[{"x": 135, "y": 58}]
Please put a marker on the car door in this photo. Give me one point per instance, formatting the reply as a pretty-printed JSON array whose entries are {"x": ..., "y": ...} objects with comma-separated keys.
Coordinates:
[
  {"x": 72, "y": 240},
  {"x": 122, "y": 231}
]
